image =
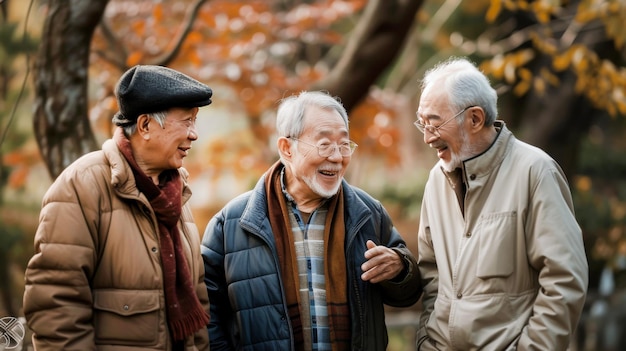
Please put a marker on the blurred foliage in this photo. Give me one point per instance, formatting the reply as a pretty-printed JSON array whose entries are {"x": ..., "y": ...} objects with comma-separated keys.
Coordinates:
[
  {"x": 261, "y": 51},
  {"x": 14, "y": 48},
  {"x": 598, "y": 79},
  {"x": 600, "y": 194}
]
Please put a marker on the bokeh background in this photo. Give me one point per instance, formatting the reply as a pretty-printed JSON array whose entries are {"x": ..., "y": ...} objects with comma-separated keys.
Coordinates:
[{"x": 558, "y": 67}]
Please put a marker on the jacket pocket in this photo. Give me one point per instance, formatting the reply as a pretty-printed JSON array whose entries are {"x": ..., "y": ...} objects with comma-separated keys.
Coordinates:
[
  {"x": 126, "y": 317},
  {"x": 496, "y": 252}
]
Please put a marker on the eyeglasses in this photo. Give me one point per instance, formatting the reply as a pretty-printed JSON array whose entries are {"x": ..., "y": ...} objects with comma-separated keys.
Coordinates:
[
  {"x": 326, "y": 150},
  {"x": 432, "y": 129}
]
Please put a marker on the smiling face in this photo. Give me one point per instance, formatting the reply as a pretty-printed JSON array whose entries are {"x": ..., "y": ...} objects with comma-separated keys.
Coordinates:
[
  {"x": 453, "y": 144},
  {"x": 310, "y": 177},
  {"x": 164, "y": 148}
]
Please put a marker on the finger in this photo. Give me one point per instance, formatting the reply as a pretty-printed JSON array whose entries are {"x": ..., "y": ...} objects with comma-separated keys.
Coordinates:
[
  {"x": 370, "y": 245},
  {"x": 376, "y": 274}
]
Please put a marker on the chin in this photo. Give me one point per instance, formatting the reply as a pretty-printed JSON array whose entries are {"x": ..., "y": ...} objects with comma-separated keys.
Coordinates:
[
  {"x": 326, "y": 192},
  {"x": 449, "y": 166}
]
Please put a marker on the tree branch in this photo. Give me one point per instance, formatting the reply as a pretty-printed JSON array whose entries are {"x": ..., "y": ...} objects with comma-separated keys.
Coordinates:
[
  {"x": 190, "y": 18},
  {"x": 375, "y": 43}
]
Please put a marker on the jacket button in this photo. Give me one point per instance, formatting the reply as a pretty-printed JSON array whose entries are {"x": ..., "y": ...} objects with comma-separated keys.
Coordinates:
[
  {"x": 154, "y": 249},
  {"x": 459, "y": 295},
  {"x": 468, "y": 234},
  {"x": 126, "y": 307},
  {"x": 473, "y": 176}
]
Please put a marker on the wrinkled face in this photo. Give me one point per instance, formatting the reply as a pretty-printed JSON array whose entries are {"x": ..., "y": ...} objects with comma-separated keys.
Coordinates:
[
  {"x": 318, "y": 176},
  {"x": 171, "y": 143},
  {"x": 453, "y": 145}
]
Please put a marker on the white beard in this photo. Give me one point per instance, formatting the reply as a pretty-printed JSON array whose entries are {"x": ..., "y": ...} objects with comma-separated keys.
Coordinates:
[
  {"x": 319, "y": 190},
  {"x": 456, "y": 160}
]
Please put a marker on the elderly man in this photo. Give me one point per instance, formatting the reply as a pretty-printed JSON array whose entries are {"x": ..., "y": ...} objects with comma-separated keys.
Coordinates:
[
  {"x": 117, "y": 262},
  {"x": 499, "y": 250},
  {"x": 305, "y": 261}
]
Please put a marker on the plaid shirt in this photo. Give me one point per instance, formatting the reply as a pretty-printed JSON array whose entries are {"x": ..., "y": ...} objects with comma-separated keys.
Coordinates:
[{"x": 309, "y": 245}]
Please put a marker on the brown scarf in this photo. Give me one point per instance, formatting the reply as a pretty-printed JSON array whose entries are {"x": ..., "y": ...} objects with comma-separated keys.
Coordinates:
[
  {"x": 184, "y": 311},
  {"x": 334, "y": 258}
]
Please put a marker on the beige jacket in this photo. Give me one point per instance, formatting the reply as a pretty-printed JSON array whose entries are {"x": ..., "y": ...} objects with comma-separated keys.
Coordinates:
[
  {"x": 510, "y": 275},
  {"x": 95, "y": 281}
]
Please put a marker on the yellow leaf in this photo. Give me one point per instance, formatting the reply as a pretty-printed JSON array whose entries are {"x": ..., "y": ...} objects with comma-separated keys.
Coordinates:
[
  {"x": 524, "y": 56},
  {"x": 540, "y": 85},
  {"x": 562, "y": 62},
  {"x": 521, "y": 88},
  {"x": 494, "y": 10},
  {"x": 509, "y": 72},
  {"x": 583, "y": 183},
  {"x": 549, "y": 77}
]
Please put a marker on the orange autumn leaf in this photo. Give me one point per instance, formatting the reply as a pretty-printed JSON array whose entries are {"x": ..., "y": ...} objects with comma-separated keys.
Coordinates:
[
  {"x": 134, "y": 58},
  {"x": 157, "y": 13},
  {"x": 18, "y": 177}
]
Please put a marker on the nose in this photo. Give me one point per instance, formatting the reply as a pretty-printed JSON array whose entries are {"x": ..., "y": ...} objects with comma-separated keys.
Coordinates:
[
  {"x": 192, "y": 133},
  {"x": 336, "y": 154},
  {"x": 429, "y": 137}
]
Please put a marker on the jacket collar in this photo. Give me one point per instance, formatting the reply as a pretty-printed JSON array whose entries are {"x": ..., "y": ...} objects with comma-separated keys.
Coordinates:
[{"x": 482, "y": 164}]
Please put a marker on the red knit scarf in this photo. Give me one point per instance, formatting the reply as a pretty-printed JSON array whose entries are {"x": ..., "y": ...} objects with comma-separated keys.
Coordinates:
[
  {"x": 184, "y": 310},
  {"x": 334, "y": 258}
]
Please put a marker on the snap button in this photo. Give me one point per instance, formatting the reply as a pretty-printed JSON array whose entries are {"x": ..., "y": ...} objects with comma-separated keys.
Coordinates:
[
  {"x": 468, "y": 234},
  {"x": 473, "y": 176},
  {"x": 154, "y": 249},
  {"x": 459, "y": 295},
  {"x": 126, "y": 307}
]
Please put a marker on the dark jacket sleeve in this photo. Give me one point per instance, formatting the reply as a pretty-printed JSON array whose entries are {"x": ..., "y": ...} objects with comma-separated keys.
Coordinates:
[
  {"x": 214, "y": 278},
  {"x": 403, "y": 291}
]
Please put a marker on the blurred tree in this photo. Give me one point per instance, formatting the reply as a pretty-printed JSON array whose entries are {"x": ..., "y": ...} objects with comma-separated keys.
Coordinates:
[
  {"x": 237, "y": 39},
  {"x": 13, "y": 48},
  {"x": 61, "y": 123}
]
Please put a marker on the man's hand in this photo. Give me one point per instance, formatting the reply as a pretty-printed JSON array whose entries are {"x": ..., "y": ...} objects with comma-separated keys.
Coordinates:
[{"x": 382, "y": 263}]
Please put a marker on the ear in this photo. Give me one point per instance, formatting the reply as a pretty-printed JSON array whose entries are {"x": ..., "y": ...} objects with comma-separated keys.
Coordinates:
[
  {"x": 284, "y": 147},
  {"x": 143, "y": 126},
  {"x": 476, "y": 119}
]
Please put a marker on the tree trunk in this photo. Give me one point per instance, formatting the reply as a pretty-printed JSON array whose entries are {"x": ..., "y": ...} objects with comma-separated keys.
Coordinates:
[
  {"x": 61, "y": 121},
  {"x": 375, "y": 43}
]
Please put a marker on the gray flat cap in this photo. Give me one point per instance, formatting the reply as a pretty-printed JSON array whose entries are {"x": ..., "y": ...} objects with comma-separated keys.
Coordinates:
[{"x": 148, "y": 89}]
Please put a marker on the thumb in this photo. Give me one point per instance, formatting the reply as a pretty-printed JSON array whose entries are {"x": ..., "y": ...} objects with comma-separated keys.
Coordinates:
[{"x": 370, "y": 244}]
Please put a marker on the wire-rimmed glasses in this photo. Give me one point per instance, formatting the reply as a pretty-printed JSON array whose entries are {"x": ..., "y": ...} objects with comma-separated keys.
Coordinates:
[
  {"x": 326, "y": 150},
  {"x": 432, "y": 129}
]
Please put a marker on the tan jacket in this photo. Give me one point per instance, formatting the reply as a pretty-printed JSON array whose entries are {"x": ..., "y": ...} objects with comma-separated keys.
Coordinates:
[
  {"x": 95, "y": 281},
  {"x": 512, "y": 274}
]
